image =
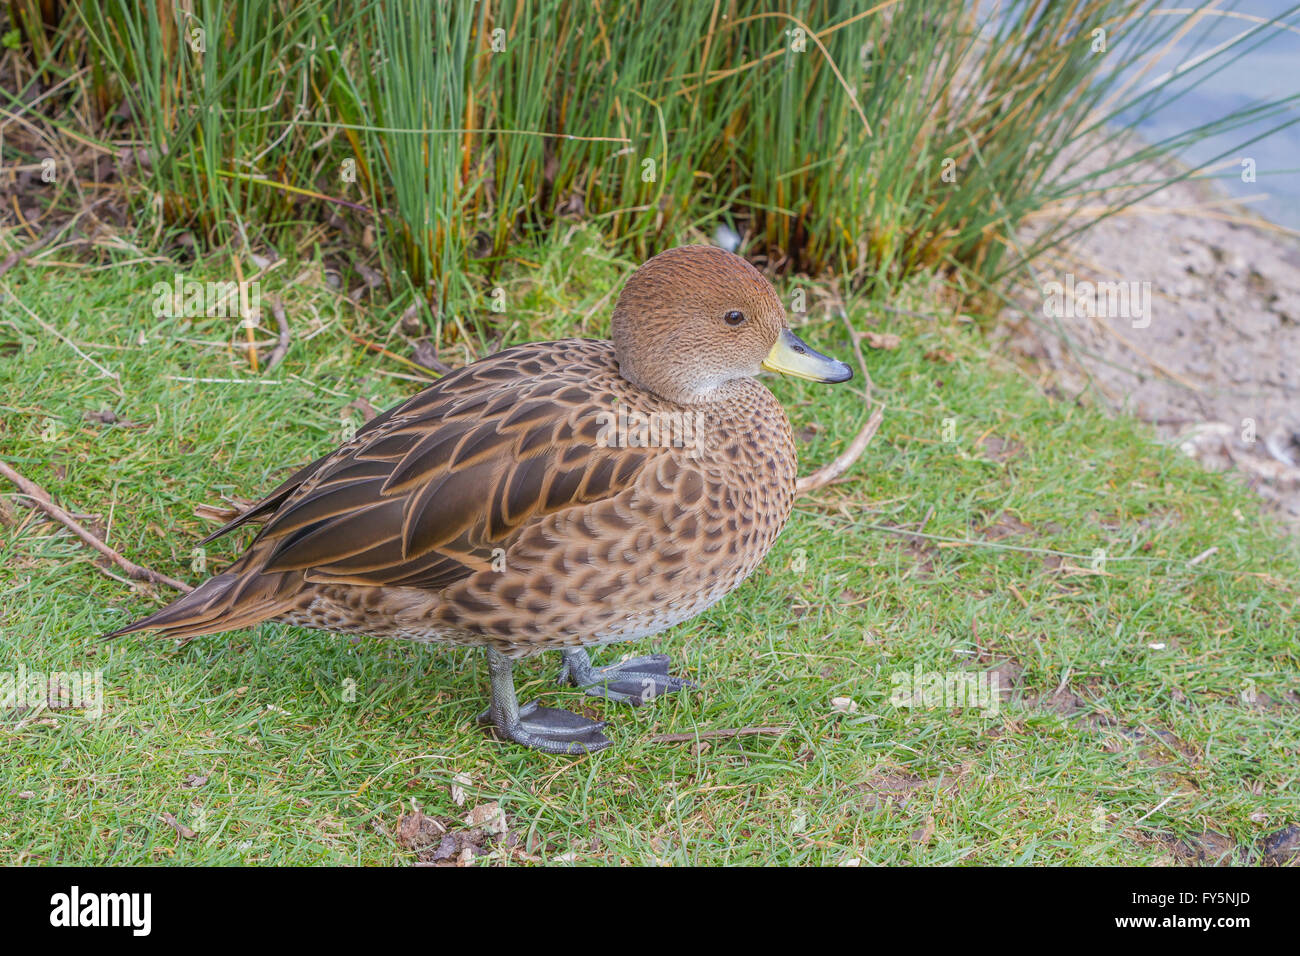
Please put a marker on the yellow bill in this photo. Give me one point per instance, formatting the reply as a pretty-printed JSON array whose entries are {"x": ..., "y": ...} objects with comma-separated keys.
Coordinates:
[{"x": 791, "y": 356}]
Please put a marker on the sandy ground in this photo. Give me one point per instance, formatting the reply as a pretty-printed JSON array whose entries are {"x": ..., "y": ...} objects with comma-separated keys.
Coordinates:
[{"x": 1216, "y": 363}]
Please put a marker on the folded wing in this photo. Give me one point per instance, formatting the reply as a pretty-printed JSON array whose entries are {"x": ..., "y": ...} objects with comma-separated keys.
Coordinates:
[{"x": 426, "y": 496}]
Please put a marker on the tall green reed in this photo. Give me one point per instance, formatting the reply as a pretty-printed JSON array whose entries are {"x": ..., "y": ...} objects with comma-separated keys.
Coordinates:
[{"x": 875, "y": 141}]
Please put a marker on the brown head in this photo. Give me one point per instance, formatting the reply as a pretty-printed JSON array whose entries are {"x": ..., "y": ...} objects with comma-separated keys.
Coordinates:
[{"x": 696, "y": 317}]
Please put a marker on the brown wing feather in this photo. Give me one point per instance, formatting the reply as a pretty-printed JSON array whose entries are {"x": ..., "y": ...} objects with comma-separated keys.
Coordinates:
[{"x": 425, "y": 497}]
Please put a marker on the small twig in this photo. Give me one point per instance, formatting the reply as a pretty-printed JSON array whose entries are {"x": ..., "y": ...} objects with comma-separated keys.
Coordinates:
[
  {"x": 1208, "y": 553},
  {"x": 926, "y": 520},
  {"x": 376, "y": 347},
  {"x": 19, "y": 255},
  {"x": 176, "y": 825},
  {"x": 220, "y": 513},
  {"x": 828, "y": 473},
  {"x": 42, "y": 500},
  {"x": 855, "y": 338},
  {"x": 248, "y": 325},
  {"x": 726, "y": 733},
  {"x": 282, "y": 346}
]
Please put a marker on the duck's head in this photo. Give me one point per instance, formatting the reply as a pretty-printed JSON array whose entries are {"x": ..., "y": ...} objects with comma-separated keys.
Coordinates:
[{"x": 696, "y": 317}]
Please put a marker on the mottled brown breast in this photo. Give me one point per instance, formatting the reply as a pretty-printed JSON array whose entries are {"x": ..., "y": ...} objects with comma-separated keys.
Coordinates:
[{"x": 694, "y": 524}]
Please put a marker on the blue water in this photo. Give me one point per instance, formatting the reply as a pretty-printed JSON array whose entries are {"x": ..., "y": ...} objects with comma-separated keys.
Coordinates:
[
  {"x": 1269, "y": 71},
  {"x": 1263, "y": 68}
]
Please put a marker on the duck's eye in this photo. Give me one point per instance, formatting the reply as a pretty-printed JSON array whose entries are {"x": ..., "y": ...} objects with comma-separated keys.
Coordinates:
[{"x": 734, "y": 317}]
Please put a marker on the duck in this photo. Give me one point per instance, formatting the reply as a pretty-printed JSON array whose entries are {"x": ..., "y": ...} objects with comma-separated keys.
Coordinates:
[{"x": 553, "y": 496}]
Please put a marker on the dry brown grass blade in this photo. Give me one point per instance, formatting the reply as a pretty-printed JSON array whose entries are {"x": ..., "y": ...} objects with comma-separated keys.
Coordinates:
[
  {"x": 285, "y": 335},
  {"x": 724, "y": 734}
]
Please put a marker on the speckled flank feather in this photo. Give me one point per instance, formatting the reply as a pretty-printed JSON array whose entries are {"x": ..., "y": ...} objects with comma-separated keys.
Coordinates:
[{"x": 485, "y": 509}]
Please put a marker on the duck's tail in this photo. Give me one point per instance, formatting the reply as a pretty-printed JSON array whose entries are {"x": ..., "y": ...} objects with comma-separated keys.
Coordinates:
[{"x": 239, "y": 597}]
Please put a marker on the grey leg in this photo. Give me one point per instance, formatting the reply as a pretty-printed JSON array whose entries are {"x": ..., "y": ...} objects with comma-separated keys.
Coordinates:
[
  {"x": 636, "y": 681},
  {"x": 542, "y": 728}
]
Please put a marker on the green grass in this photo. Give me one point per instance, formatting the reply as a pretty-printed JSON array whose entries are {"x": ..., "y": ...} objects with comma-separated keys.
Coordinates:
[
  {"x": 1155, "y": 748},
  {"x": 880, "y": 143}
]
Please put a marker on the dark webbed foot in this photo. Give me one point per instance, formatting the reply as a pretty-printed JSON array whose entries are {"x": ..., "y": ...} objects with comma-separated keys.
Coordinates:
[
  {"x": 636, "y": 681},
  {"x": 543, "y": 728},
  {"x": 551, "y": 729}
]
